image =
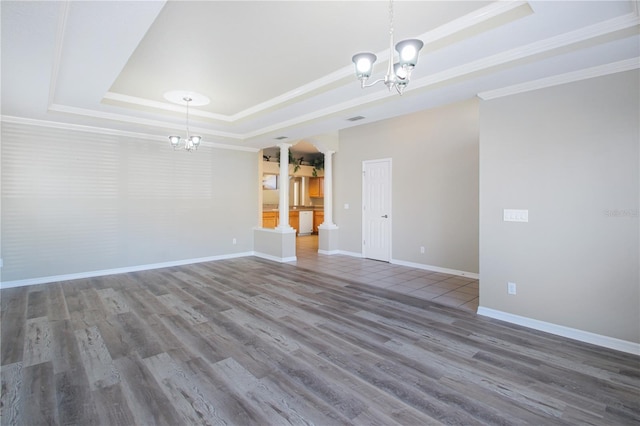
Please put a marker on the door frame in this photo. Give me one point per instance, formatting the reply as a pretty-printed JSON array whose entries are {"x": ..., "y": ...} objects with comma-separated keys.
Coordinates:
[{"x": 390, "y": 195}]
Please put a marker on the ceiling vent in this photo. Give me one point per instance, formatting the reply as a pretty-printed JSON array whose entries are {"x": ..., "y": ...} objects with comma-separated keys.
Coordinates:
[
  {"x": 279, "y": 138},
  {"x": 356, "y": 118}
]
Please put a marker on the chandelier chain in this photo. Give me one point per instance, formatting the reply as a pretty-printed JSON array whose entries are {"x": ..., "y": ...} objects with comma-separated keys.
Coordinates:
[
  {"x": 187, "y": 100},
  {"x": 391, "y": 17}
]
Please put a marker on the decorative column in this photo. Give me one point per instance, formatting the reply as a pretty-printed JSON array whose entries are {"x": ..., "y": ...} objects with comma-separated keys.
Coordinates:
[
  {"x": 283, "y": 201},
  {"x": 328, "y": 231},
  {"x": 328, "y": 190}
]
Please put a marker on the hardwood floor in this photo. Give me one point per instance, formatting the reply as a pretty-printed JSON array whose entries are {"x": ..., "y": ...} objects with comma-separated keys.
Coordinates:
[{"x": 248, "y": 341}]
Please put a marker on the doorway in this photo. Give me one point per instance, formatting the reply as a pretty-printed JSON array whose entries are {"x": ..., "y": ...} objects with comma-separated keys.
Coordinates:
[{"x": 376, "y": 209}]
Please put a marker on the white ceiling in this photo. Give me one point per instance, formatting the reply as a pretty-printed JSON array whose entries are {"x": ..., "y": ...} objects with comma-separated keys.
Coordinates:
[{"x": 283, "y": 68}]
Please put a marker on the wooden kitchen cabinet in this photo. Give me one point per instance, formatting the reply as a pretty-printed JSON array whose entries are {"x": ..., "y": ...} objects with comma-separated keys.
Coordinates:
[
  {"x": 316, "y": 187},
  {"x": 270, "y": 219},
  {"x": 294, "y": 220},
  {"x": 318, "y": 218}
]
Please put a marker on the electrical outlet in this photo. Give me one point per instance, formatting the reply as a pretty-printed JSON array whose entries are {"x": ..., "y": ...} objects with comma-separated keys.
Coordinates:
[
  {"x": 421, "y": 250},
  {"x": 234, "y": 241},
  {"x": 511, "y": 288}
]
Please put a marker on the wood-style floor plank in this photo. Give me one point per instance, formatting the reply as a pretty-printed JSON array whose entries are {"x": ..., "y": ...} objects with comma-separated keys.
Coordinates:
[
  {"x": 13, "y": 306},
  {"x": 252, "y": 342}
]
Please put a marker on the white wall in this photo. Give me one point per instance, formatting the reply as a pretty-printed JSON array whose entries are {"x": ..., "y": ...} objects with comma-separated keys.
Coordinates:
[
  {"x": 570, "y": 155},
  {"x": 435, "y": 184},
  {"x": 75, "y": 202}
]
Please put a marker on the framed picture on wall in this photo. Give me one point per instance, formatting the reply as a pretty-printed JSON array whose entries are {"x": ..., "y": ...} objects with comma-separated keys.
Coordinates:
[{"x": 269, "y": 181}]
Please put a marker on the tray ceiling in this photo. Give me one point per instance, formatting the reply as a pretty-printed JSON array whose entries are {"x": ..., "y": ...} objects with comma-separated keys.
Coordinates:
[{"x": 283, "y": 68}]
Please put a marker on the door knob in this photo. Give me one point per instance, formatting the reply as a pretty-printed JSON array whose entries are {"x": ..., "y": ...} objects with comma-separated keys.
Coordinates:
[{"x": 385, "y": 216}]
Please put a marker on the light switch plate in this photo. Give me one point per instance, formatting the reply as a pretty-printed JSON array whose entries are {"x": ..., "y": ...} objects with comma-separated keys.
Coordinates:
[{"x": 513, "y": 215}]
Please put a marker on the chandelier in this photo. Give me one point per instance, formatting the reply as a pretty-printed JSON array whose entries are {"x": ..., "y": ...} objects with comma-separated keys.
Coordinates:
[
  {"x": 191, "y": 143},
  {"x": 398, "y": 74}
]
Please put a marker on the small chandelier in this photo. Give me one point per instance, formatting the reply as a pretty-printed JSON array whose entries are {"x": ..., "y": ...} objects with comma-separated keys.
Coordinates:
[
  {"x": 398, "y": 74},
  {"x": 191, "y": 143}
]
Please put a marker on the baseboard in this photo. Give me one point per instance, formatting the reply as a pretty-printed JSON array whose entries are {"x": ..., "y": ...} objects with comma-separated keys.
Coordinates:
[
  {"x": 436, "y": 269},
  {"x": 275, "y": 258},
  {"x": 329, "y": 252},
  {"x": 348, "y": 253},
  {"x": 560, "y": 330},
  {"x": 100, "y": 273}
]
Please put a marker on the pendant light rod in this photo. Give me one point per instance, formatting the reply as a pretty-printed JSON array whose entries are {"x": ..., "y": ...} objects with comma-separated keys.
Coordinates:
[{"x": 191, "y": 143}]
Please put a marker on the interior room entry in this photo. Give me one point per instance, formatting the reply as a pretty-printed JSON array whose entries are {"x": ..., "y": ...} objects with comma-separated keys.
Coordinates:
[{"x": 376, "y": 209}]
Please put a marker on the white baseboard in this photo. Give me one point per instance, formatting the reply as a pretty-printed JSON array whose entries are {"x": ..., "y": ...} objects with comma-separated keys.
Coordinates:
[
  {"x": 329, "y": 252},
  {"x": 410, "y": 264},
  {"x": 436, "y": 269},
  {"x": 275, "y": 258},
  {"x": 348, "y": 253},
  {"x": 560, "y": 330},
  {"x": 100, "y": 273}
]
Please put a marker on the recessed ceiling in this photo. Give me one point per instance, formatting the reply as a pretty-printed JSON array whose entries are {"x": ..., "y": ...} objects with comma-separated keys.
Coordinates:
[
  {"x": 242, "y": 54},
  {"x": 283, "y": 68}
]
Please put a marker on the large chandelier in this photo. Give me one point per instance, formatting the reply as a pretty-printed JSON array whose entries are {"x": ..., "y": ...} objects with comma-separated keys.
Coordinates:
[
  {"x": 190, "y": 143},
  {"x": 398, "y": 74}
]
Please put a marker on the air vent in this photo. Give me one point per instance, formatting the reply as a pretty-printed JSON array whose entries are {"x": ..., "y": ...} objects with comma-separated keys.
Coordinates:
[
  {"x": 279, "y": 138},
  {"x": 356, "y": 118}
]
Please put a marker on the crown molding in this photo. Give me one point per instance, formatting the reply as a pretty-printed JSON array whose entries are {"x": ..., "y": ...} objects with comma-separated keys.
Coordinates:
[
  {"x": 109, "y": 132},
  {"x": 500, "y": 59},
  {"x": 457, "y": 25},
  {"x": 556, "y": 80},
  {"x": 119, "y": 97},
  {"x": 546, "y": 45},
  {"x": 460, "y": 24},
  {"x": 469, "y": 20},
  {"x": 134, "y": 120}
]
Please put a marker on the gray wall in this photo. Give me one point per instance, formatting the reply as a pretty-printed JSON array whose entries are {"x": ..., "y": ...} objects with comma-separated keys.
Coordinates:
[
  {"x": 568, "y": 154},
  {"x": 76, "y": 202},
  {"x": 435, "y": 184}
]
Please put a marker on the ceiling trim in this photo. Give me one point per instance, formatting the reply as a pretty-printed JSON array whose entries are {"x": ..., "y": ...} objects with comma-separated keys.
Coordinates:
[
  {"x": 538, "y": 47},
  {"x": 134, "y": 120},
  {"x": 118, "y": 97},
  {"x": 500, "y": 59},
  {"x": 458, "y": 25},
  {"x": 556, "y": 80},
  {"x": 111, "y": 132},
  {"x": 469, "y": 20}
]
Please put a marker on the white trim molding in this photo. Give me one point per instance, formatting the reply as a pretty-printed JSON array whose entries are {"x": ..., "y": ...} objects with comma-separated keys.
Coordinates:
[
  {"x": 330, "y": 252},
  {"x": 422, "y": 266},
  {"x": 556, "y": 80},
  {"x": 275, "y": 258},
  {"x": 560, "y": 330},
  {"x": 112, "y": 132},
  {"x": 349, "y": 253},
  {"x": 124, "y": 270}
]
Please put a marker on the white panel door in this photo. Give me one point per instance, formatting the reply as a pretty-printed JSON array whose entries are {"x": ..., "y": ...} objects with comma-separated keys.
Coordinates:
[{"x": 376, "y": 205}]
